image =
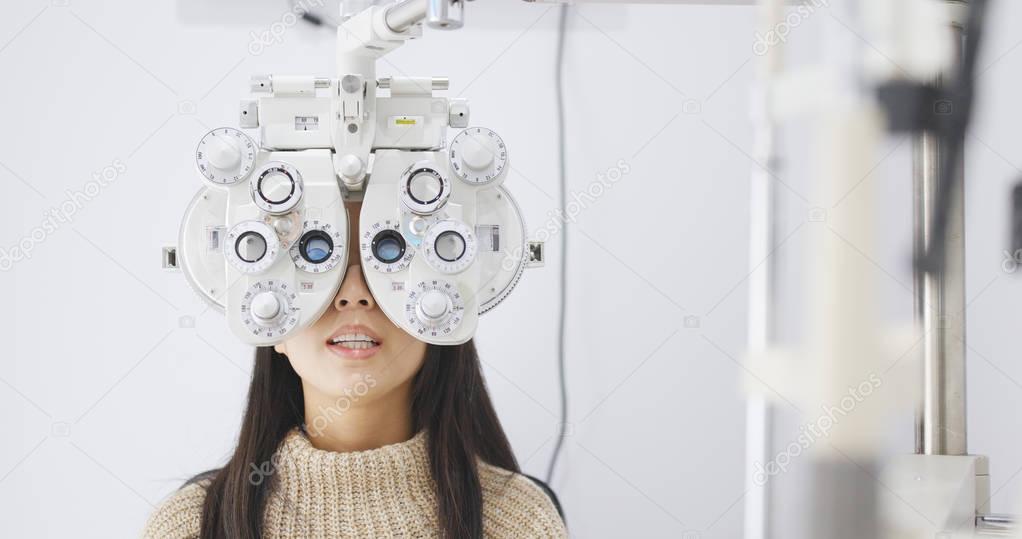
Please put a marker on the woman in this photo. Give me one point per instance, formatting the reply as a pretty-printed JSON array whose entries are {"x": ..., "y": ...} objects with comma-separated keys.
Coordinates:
[{"x": 355, "y": 429}]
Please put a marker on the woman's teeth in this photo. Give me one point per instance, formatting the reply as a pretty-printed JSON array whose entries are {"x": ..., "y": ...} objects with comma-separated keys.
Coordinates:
[{"x": 355, "y": 341}]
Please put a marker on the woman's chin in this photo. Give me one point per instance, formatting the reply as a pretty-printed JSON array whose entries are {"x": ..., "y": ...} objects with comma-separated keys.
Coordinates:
[{"x": 350, "y": 385}]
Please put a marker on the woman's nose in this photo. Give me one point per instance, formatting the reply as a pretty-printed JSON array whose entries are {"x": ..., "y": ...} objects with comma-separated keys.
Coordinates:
[{"x": 354, "y": 293}]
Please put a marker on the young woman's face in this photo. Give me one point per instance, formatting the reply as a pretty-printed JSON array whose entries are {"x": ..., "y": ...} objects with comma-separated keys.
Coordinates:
[{"x": 354, "y": 345}]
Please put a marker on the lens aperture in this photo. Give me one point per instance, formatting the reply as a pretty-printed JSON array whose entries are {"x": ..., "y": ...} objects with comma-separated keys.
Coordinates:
[
  {"x": 425, "y": 187},
  {"x": 251, "y": 247},
  {"x": 316, "y": 246},
  {"x": 388, "y": 246},
  {"x": 450, "y": 246}
]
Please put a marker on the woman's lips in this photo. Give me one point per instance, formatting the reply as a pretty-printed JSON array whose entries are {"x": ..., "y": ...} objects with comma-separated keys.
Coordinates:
[
  {"x": 354, "y": 342},
  {"x": 353, "y": 353}
]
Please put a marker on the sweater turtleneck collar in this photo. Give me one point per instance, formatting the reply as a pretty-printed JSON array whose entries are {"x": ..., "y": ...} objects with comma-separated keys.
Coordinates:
[
  {"x": 314, "y": 487},
  {"x": 297, "y": 455},
  {"x": 383, "y": 492}
]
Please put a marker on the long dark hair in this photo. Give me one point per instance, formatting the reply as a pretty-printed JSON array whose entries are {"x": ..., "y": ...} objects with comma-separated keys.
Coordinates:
[{"x": 449, "y": 400}]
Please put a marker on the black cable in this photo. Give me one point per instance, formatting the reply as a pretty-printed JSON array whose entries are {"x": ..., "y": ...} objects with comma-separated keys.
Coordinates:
[
  {"x": 311, "y": 17},
  {"x": 951, "y": 131},
  {"x": 562, "y": 179},
  {"x": 1016, "y": 226}
]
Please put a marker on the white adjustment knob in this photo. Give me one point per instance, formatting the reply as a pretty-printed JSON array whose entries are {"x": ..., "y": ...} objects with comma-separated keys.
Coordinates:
[
  {"x": 223, "y": 153},
  {"x": 434, "y": 305},
  {"x": 478, "y": 156},
  {"x": 225, "y": 156},
  {"x": 477, "y": 153},
  {"x": 351, "y": 166},
  {"x": 436, "y": 310},
  {"x": 265, "y": 307}
]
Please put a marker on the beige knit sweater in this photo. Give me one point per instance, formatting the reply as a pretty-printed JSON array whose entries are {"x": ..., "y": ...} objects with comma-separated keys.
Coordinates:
[{"x": 385, "y": 492}]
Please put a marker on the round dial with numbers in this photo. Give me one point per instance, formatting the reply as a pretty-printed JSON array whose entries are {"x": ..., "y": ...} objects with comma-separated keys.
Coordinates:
[
  {"x": 384, "y": 249},
  {"x": 450, "y": 246},
  {"x": 320, "y": 248},
  {"x": 269, "y": 308},
  {"x": 424, "y": 189},
  {"x": 277, "y": 187},
  {"x": 251, "y": 246},
  {"x": 434, "y": 308},
  {"x": 478, "y": 156},
  {"x": 225, "y": 156}
]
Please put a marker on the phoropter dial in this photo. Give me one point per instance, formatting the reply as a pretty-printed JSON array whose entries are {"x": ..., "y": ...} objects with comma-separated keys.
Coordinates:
[
  {"x": 251, "y": 247},
  {"x": 225, "y": 156},
  {"x": 276, "y": 187},
  {"x": 478, "y": 156},
  {"x": 319, "y": 249},
  {"x": 269, "y": 308},
  {"x": 434, "y": 308},
  {"x": 424, "y": 190},
  {"x": 450, "y": 246},
  {"x": 384, "y": 248}
]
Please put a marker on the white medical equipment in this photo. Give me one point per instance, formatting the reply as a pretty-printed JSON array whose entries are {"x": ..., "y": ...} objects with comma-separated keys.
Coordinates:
[
  {"x": 441, "y": 240},
  {"x": 941, "y": 491}
]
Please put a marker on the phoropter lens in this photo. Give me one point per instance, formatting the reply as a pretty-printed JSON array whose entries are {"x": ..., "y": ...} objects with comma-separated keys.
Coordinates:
[
  {"x": 425, "y": 186},
  {"x": 449, "y": 246},
  {"x": 388, "y": 246},
  {"x": 251, "y": 247},
  {"x": 276, "y": 187},
  {"x": 316, "y": 246}
]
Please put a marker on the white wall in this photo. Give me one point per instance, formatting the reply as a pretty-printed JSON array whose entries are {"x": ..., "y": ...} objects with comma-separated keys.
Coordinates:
[{"x": 108, "y": 403}]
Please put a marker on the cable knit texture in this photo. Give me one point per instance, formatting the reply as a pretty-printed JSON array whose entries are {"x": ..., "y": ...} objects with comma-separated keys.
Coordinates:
[{"x": 385, "y": 492}]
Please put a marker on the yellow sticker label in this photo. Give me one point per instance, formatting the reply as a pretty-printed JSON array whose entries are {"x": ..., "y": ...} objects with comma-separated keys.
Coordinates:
[{"x": 405, "y": 121}]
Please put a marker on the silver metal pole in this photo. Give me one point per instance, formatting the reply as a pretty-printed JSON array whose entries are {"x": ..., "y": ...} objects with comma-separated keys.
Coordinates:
[
  {"x": 404, "y": 14},
  {"x": 440, "y": 14},
  {"x": 762, "y": 235},
  {"x": 996, "y": 525},
  {"x": 940, "y": 301}
]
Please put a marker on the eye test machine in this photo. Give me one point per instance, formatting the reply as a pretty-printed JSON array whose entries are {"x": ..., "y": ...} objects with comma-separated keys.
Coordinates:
[{"x": 441, "y": 240}]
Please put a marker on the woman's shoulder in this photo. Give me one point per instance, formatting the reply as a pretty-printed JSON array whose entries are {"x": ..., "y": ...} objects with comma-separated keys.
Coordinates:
[
  {"x": 516, "y": 506},
  {"x": 179, "y": 516}
]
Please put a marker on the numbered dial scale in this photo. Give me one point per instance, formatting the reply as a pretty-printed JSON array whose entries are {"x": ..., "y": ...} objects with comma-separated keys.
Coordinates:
[
  {"x": 319, "y": 249},
  {"x": 251, "y": 247},
  {"x": 434, "y": 308},
  {"x": 269, "y": 308},
  {"x": 384, "y": 248},
  {"x": 424, "y": 190},
  {"x": 277, "y": 187},
  {"x": 225, "y": 156},
  {"x": 450, "y": 246},
  {"x": 478, "y": 156}
]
